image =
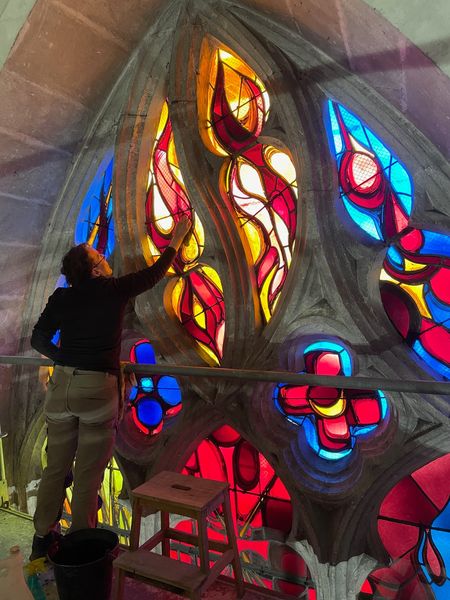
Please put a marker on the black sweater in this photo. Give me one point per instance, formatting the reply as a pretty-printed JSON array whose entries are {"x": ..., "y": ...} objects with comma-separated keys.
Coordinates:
[{"x": 90, "y": 318}]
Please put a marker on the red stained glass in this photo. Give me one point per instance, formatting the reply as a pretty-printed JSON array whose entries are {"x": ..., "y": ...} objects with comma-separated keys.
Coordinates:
[
  {"x": 167, "y": 200},
  {"x": 234, "y": 133},
  {"x": 367, "y": 410},
  {"x": 197, "y": 298},
  {"x": 199, "y": 305},
  {"x": 259, "y": 500},
  {"x": 440, "y": 285},
  {"x": 413, "y": 525},
  {"x": 415, "y": 284},
  {"x": 376, "y": 189},
  {"x": 259, "y": 180},
  {"x": 265, "y": 201}
]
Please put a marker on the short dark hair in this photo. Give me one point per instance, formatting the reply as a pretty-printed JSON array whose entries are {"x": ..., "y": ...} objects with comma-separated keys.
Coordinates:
[{"x": 76, "y": 265}]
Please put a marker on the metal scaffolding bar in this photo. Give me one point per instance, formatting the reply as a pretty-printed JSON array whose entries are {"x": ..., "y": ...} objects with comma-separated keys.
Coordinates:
[{"x": 357, "y": 383}]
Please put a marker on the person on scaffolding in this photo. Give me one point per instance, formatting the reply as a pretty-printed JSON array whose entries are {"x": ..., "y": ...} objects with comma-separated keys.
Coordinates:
[{"x": 83, "y": 393}]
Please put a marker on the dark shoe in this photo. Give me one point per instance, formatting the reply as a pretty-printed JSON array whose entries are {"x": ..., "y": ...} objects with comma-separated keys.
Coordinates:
[{"x": 43, "y": 544}]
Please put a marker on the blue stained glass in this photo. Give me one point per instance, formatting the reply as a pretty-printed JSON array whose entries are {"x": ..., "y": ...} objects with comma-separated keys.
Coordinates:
[
  {"x": 367, "y": 223},
  {"x": 133, "y": 392},
  {"x": 329, "y": 346},
  {"x": 147, "y": 384},
  {"x": 395, "y": 257},
  {"x": 370, "y": 221},
  {"x": 149, "y": 412},
  {"x": 382, "y": 153},
  {"x": 169, "y": 390},
  {"x": 401, "y": 182},
  {"x": 145, "y": 355},
  {"x": 430, "y": 360},
  {"x": 436, "y": 244},
  {"x": 384, "y": 404},
  {"x": 440, "y": 535},
  {"x": 335, "y": 131},
  {"x": 405, "y": 202},
  {"x": 313, "y": 440},
  {"x": 362, "y": 430},
  {"x": 55, "y": 338},
  {"x": 353, "y": 125},
  {"x": 97, "y": 196}
]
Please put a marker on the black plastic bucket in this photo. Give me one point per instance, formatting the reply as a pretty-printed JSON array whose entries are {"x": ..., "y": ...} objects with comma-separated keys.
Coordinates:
[{"x": 83, "y": 564}]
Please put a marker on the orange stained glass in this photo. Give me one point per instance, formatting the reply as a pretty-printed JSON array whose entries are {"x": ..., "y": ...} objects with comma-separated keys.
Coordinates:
[
  {"x": 259, "y": 180},
  {"x": 231, "y": 98},
  {"x": 167, "y": 201}
]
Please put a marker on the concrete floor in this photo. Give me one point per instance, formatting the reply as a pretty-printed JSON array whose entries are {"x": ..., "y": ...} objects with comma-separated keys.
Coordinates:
[{"x": 17, "y": 530}]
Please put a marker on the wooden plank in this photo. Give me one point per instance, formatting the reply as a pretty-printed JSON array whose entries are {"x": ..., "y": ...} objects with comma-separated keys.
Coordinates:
[
  {"x": 190, "y": 538},
  {"x": 157, "y": 568},
  {"x": 171, "y": 491},
  {"x": 218, "y": 567}
]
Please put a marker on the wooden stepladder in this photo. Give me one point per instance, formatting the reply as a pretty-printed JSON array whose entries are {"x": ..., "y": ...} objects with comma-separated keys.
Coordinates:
[{"x": 172, "y": 493}]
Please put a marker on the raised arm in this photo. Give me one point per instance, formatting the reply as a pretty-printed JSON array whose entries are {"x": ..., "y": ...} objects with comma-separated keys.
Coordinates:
[{"x": 136, "y": 283}]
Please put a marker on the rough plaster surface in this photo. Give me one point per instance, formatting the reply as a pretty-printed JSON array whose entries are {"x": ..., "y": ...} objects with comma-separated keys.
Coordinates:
[
  {"x": 426, "y": 25},
  {"x": 12, "y": 17}
]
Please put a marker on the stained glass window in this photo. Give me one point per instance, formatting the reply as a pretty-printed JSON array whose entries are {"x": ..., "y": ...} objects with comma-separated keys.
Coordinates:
[
  {"x": 376, "y": 190},
  {"x": 331, "y": 418},
  {"x": 155, "y": 398},
  {"x": 259, "y": 180},
  {"x": 262, "y": 513},
  {"x": 95, "y": 223},
  {"x": 375, "y": 187},
  {"x": 415, "y": 290},
  {"x": 195, "y": 290},
  {"x": 414, "y": 526}
]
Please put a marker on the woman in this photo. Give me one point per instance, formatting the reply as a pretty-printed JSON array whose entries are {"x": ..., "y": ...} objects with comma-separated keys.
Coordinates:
[{"x": 82, "y": 400}]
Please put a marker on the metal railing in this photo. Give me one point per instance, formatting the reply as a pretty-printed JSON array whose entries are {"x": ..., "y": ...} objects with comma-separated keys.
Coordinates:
[{"x": 417, "y": 386}]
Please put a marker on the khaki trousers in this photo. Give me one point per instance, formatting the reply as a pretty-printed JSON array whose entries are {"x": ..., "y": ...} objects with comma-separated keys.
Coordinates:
[{"x": 81, "y": 410}]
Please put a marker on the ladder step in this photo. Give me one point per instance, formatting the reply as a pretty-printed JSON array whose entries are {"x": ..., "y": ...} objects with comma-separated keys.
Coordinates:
[{"x": 163, "y": 569}]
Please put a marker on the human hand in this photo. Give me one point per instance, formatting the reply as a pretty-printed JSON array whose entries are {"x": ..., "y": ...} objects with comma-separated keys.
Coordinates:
[
  {"x": 44, "y": 375},
  {"x": 180, "y": 231}
]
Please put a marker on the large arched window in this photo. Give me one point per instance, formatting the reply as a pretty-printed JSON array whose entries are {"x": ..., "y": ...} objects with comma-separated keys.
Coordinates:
[{"x": 305, "y": 255}]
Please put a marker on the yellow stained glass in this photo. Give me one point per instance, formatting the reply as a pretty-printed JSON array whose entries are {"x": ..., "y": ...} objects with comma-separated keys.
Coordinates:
[
  {"x": 176, "y": 292},
  {"x": 213, "y": 275},
  {"x": 413, "y": 266},
  {"x": 198, "y": 312},
  {"x": 208, "y": 354},
  {"x": 264, "y": 293},
  {"x": 173, "y": 161},
  {"x": 162, "y": 119},
  {"x": 356, "y": 147},
  {"x": 332, "y": 411},
  {"x": 254, "y": 237},
  {"x": 192, "y": 251},
  {"x": 416, "y": 293}
]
